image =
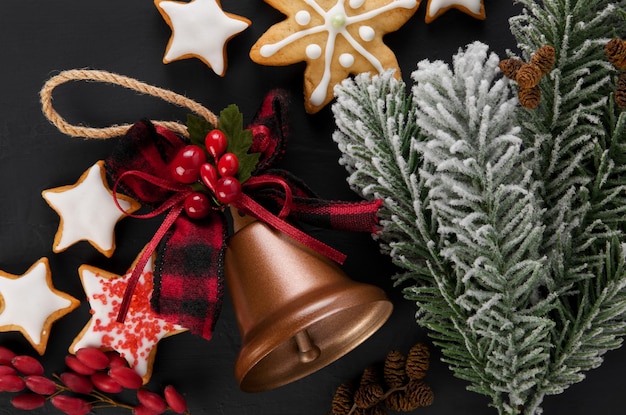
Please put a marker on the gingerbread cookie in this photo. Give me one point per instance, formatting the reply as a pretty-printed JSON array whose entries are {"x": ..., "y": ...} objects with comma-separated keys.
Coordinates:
[
  {"x": 335, "y": 38},
  {"x": 200, "y": 29},
  {"x": 88, "y": 211},
  {"x": 435, "y": 8},
  {"x": 136, "y": 338},
  {"x": 30, "y": 304}
]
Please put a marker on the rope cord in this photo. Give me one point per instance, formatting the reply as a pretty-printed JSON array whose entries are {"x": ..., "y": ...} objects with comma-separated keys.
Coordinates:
[{"x": 111, "y": 78}]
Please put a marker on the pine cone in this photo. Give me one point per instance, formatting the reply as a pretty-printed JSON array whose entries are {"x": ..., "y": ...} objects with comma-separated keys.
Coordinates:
[
  {"x": 370, "y": 391},
  {"x": 529, "y": 97},
  {"x": 620, "y": 92},
  {"x": 509, "y": 67},
  {"x": 417, "y": 361},
  {"x": 399, "y": 401},
  {"x": 528, "y": 76},
  {"x": 343, "y": 399},
  {"x": 544, "y": 59},
  {"x": 616, "y": 53},
  {"x": 418, "y": 392},
  {"x": 394, "y": 372}
]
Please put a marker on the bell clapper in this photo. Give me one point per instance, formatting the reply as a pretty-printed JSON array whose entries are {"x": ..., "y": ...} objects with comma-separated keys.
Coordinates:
[{"x": 307, "y": 350}]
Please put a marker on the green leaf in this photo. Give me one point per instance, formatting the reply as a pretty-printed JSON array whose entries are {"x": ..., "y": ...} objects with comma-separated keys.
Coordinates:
[
  {"x": 198, "y": 128},
  {"x": 239, "y": 141}
]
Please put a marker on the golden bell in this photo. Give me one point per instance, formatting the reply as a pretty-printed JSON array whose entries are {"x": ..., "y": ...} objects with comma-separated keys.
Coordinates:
[{"x": 296, "y": 310}]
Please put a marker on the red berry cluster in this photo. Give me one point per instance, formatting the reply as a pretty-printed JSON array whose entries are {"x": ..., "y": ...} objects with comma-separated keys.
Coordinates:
[
  {"x": 92, "y": 374},
  {"x": 191, "y": 165}
]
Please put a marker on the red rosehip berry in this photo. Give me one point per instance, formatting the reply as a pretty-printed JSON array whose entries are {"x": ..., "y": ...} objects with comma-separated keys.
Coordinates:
[
  {"x": 6, "y": 355},
  {"x": 28, "y": 365},
  {"x": 40, "y": 385},
  {"x": 174, "y": 400},
  {"x": 126, "y": 377},
  {"x": 77, "y": 383},
  {"x": 93, "y": 357},
  {"x": 71, "y": 405},
  {"x": 185, "y": 167},
  {"x": 77, "y": 366},
  {"x": 216, "y": 143},
  {"x": 227, "y": 189},
  {"x": 208, "y": 175},
  {"x": 115, "y": 359},
  {"x": 105, "y": 383},
  {"x": 152, "y": 401},
  {"x": 11, "y": 383},
  {"x": 228, "y": 165},
  {"x": 7, "y": 370},
  {"x": 197, "y": 205},
  {"x": 28, "y": 401}
]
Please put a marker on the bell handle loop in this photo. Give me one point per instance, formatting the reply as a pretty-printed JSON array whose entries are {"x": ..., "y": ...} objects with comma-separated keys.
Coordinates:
[{"x": 111, "y": 78}]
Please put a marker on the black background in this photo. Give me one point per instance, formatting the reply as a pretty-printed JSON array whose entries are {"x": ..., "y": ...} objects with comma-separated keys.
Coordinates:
[{"x": 40, "y": 38}]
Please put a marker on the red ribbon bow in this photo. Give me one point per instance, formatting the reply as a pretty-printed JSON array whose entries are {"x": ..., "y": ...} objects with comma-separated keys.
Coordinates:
[{"x": 189, "y": 269}]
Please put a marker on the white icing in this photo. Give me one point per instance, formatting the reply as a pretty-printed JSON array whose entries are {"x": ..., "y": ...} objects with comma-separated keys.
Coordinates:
[
  {"x": 434, "y": 6},
  {"x": 313, "y": 51},
  {"x": 332, "y": 18},
  {"x": 105, "y": 305},
  {"x": 303, "y": 17},
  {"x": 346, "y": 60},
  {"x": 200, "y": 28},
  {"x": 367, "y": 33},
  {"x": 29, "y": 301},
  {"x": 355, "y": 4},
  {"x": 87, "y": 210}
]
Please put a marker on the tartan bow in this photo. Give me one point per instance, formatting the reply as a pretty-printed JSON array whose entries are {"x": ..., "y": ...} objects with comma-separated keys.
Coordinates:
[{"x": 189, "y": 272}]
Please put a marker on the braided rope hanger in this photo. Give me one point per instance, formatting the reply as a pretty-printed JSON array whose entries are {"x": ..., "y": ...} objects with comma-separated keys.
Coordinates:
[{"x": 111, "y": 78}]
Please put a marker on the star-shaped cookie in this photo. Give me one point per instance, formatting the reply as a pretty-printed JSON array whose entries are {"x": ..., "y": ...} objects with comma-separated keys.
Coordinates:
[
  {"x": 200, "y": 29},
  {"x": 435, "y": 8},
  {"x": 335, "y": 38},
  {"x": 88, "y": 211},
  {"x": 136, "y": 338},
  {"x": 30, "y": 304}
]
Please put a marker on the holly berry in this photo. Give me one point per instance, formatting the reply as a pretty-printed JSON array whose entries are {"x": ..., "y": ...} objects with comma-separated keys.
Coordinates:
[
  {"x": 197, "y": 205},
  {"x": 227, "y": 189},
  {"x": 208, "y": 175},
  {"x": 228, "y": 165},
  {"x": 216, "y": 143},
  {"x": 185, "y": 167}
]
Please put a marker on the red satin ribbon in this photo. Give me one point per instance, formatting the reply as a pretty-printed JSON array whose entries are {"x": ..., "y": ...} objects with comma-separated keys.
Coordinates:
[{"x": 175, "y": 205}]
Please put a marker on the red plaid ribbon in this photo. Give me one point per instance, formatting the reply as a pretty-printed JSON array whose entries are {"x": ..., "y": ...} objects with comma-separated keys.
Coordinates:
[{"x": 190, "y": 253}]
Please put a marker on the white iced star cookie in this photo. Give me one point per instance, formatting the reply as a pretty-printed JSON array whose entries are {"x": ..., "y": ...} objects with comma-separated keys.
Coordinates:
[
  {"x": 30, "y": 304},
  {"x": 136, "y": 338},
  {"x": 88, "y": 211},
  {"x": 435, "y": 8},
  {"x": 335, "y": 38},
  {"x": 200, "y": 29}
]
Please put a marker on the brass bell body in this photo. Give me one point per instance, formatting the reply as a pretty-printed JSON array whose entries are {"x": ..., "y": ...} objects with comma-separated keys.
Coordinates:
[{"x": 296, "y": 309}]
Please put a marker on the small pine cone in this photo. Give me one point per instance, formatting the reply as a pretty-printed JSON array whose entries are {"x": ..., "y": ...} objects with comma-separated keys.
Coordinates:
[
  {"x": 528, "y": 76},
  {"x": 616, "y": 53},
  {"x": 399, "y": 401},
  {"x": 393, "y": 371},
  {"x": 343, "y": 399},
  {"x": 509, "y": 67},
  {"x": 367, "y": 396},
  {"x": 417, "y": 361},
  {"x": 370, "y": 390},
  {"x": 544, "y": 58},
  {"x": 620, "y": 92},
  {"x": 529, "y": 97},
  {"x": 420, "y": 393},
  {"x": 374, "y": 410}
]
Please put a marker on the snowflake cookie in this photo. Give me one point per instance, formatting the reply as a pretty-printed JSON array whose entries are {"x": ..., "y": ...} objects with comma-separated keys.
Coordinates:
[
  {"x": 335, "y": 38},
  {"x": 88, "y": 211},
  {"x": 200, "y": 29},
  {"x": 30, "y": 304},
  {"x": 136, "y": 338},
  {"x": 436, "y": 8}
]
